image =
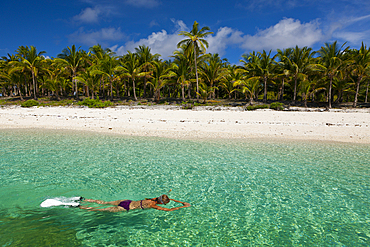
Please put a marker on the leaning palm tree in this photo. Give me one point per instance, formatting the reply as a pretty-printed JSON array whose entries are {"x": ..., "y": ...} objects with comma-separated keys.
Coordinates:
[{"x": 195, "y": 39}]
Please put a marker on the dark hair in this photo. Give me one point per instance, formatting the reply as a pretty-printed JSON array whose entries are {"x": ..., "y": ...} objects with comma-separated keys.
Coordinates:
[{"x": 165, "y": 199}]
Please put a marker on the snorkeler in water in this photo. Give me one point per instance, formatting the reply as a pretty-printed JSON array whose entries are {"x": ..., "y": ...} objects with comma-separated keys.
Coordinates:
[{"x": 126, "y": 205}]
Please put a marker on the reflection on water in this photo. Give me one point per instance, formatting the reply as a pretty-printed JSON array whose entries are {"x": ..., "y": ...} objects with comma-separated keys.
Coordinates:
[{"x": 242, "y": 193}]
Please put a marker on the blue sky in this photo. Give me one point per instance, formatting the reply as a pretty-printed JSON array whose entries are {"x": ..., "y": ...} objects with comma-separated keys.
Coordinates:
[{"x": 239, "y": 26}]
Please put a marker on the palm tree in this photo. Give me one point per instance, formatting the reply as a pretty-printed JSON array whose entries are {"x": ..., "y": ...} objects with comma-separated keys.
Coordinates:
[
  {"x": 162, "y": 73},
  {"x": 195, "y": 39},
  {"x": 10, "y": 74},
  {"x": 249, "y": 87},
  {"x": 98, "y": 54},
  {"x": 331, "y": 60},
  {"x": 299, "y": 61},
  {"x": 146, "y": 59},
  {"x": 107, "y": 68},
  {"x": 73, "y": 60},
  {"x": 181, "y": 70},
  {"x": 361, "y": 66},
  {"x": 205, "y": 91},
  {"x": 90, "y": 79},
  {"x": 233, "y": 74},
  {"x": 283, "y": 66},
  {"x": 213, "y": 71},
  {"x": 31, "y": 60},
  {"x": 262, "y": 67},
  {"x": 131, "y": 69}
]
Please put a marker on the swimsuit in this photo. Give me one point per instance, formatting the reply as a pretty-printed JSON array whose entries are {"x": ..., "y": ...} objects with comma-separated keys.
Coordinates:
[{"x": 126, "y": 204}]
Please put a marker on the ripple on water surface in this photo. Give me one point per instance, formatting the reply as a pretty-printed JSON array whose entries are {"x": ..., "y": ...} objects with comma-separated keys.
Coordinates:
[{"x": 242, "y": 193}]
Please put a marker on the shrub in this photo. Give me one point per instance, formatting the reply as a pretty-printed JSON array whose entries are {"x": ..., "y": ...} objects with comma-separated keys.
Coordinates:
[
  {"x": 277, "y": 106},
  {"x": 255, "y": 107},
  {"x": 95, "y": 103},
  {"x": 30, "y": 103}
]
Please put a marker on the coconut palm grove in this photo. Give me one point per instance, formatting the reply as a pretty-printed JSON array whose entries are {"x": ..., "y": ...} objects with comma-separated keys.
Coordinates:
[{"x": 332, "y": 75}]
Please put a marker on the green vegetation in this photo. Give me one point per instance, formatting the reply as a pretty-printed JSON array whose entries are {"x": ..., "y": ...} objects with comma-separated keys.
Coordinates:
[
  {"x": 277, "y": 106},
  {"x": 30, "y": 103},
  {"x": 333, "y": 75},
  {"x": 255, "y": 107},
  {"x": 95, "y": 103}
]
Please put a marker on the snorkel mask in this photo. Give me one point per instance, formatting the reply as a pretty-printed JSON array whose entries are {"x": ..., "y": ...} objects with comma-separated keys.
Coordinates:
[{"x": 160, "y": 199}]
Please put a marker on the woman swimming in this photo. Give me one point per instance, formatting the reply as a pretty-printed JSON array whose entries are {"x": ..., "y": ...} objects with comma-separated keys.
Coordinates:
[{"x": 126, "y": 205}]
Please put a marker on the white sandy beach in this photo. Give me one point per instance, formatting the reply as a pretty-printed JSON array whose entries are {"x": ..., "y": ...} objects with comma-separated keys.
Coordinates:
[{"x": 336, "y": 125}]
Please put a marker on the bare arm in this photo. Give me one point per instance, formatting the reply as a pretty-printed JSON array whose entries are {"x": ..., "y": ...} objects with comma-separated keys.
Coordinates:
[{"x": 185, "y": 205}]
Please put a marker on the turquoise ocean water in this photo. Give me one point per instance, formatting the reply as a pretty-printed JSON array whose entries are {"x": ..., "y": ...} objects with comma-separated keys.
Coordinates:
[{"x": 243, "y": 193}]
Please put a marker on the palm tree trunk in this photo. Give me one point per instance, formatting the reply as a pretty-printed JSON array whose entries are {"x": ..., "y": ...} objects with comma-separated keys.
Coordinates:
[
  {"x": 265, "y": 89},
  {"x": 282, "y": 90},
  {"x": 196, "y": 72},
  {"x": 133, "y": 88},
  {"x": 75, "y": 83},
  {"x": 357, "y": 90},
  {"x": 189, "y": 91},
  {"x": 100, "y": 87},
  {"x": 305, "y": 100},
  {"x": 87, "y": 91},
  {"x": 329, "y": 92},
  {"x": 117, "y": 89},
  {"x": 367, "y": 91},
  {"x": 295, "y": 89},
  {"x": 34, "y": 85},
  {"x": 57, "y": 94},
  {"x": 111, "y": 88},
  {"x": 19, "y": 90},
  {"x": 144, "y": 93},
  {"x": 183, "y": 92}
]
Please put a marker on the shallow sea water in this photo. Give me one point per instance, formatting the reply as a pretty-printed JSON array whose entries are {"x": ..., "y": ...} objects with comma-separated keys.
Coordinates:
[{"x": 243, "y": 193}]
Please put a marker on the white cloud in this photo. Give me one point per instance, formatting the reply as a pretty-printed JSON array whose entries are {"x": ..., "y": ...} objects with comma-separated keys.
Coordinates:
[
  {"x": 91, "y": 38},
  {"x": 162, "y": 42},
  {"x": 352, "y": 37},
  {"x": 165, "y": 43},
  {"x": 287, "y": 33},
  {"x": 224, "y": 37},
  {"x": 88, "y": 15},
  {"x": 143, "y": 3}
]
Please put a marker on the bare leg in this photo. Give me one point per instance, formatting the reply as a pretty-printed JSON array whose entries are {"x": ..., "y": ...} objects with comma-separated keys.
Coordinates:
[
  {"x": 115, "y": 203},
  {"x": 110, "y": 209}
]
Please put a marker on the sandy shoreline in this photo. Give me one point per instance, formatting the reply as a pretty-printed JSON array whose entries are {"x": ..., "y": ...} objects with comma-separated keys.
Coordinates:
[{"x": 172, "y": 122}]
